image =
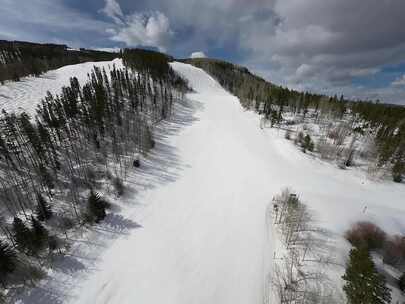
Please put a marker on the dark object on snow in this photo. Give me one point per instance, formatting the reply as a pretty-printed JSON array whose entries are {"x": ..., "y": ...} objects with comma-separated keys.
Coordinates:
[
  {"x": 43, "y": 210},
  {"x": 152, "y": 143},
  {"x": 401, "y": 282},
  {"x": 8, "y": 261},
  {"x": 96, "y": 207},
  {"x": 137, "y": 163}
]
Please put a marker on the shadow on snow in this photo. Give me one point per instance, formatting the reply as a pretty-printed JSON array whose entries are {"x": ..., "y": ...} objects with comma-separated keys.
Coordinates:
[{"x": 161, "y": 166}]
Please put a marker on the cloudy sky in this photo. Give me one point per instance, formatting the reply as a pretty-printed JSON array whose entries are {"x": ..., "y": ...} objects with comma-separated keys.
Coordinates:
[{"x": 354, "y": 47}]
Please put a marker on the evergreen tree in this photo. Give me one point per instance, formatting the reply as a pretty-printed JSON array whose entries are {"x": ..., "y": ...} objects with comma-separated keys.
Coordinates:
[
  {"x": 96, "y": 207},
  {"x": 397, "y": 170},
  {"x": 8, "y": 261},
  {"x": 364, "y": 285},
  {"x": 308, "y": 143},
  {"x": 300, "y": 137},
  {"x": 43, "y": 211},
  {"x": 273, "y": 118},
  {"x": 401, "y": 283},
  {"x": 39, "y": 235},
  {"x": 22, "y": 234}
]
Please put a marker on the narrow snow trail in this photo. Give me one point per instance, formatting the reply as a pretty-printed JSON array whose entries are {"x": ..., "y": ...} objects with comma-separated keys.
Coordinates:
[{"x": 203, "y": 236}]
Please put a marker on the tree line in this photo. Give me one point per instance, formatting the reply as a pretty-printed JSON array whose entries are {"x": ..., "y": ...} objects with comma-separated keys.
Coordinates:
[
  {"x": 19, "y": 59},
  {"x": 51, "y": 165},
  {"x": 385, "y": 123}
]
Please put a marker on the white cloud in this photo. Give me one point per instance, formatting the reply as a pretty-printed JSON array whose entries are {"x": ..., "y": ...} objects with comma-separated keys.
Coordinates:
[
  {"x": 364, "y": 72},
  {"x": 400, "y": 81},
  {"x": 20, "y": 19},
  {"x": 198, "y": 55},
  {"x": 113, "y": 10},
  {"x": 138, "y": 29},
  {"x": 321, "y": 44}
]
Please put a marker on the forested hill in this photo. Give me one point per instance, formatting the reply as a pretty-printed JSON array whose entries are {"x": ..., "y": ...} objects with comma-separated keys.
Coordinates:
[
  {"x": 19, "y": 59},
  {"x": 383, "y": 123},
  {"x": 57, "y": 166},
  {"x": 236, "y": 79}
]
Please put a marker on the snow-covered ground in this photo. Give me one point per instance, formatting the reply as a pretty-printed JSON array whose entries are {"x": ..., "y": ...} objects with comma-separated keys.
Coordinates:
[
  {"x": 24, "y": 95},
  {"x": 201, "y": 203}
]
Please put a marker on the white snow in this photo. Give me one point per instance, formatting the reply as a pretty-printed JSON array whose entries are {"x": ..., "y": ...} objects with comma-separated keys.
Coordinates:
[
  {"x": 202, "y": 211},
  {"x": 24, "y": 95}
]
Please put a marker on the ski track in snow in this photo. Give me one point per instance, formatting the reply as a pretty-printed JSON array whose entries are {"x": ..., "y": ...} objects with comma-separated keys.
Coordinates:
[
  {"x": 24, "y": 95},
  {"x": 202, "y": 208}
]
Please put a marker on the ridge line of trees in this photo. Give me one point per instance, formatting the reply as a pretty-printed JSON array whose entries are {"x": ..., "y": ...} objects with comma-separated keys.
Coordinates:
[{"x": 19, "y": 59}]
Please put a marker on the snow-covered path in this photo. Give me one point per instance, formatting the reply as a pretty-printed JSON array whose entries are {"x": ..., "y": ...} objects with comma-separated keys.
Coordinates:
[{"x": 203, "y": 234}]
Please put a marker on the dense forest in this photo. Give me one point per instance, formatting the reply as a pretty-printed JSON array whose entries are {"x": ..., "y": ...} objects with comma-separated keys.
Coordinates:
[
  {"x": 19, "y": 59},
  {"x": 52, "y": 165},
  {"x": 384, "y": 123}
]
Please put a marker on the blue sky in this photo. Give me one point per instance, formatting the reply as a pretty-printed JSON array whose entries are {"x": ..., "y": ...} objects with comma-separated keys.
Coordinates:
[{"x": 336, "y": 46}]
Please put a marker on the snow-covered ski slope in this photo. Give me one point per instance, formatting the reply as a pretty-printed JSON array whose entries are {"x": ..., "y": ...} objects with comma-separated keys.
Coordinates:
[
  {"x": 203, "y": 236},
  {"x": 24, "y": 95}
]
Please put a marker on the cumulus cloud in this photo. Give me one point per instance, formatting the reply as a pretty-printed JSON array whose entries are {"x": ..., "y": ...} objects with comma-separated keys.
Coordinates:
[
  {"x": 333, "y": 38},
  {"x": 314, "y": 44},
  {"x": 113, "y": 10},
  {"x": 138, "y": 29},
  {"x": 400, "y": 81},
  {"x": 198, "y": 55},
  {"x": 51, "y": 15}
]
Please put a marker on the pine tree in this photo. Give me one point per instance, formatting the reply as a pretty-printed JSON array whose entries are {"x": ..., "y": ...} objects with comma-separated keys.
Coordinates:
[
  {"x": 8, "y": 261},
  {"x": 273, "y": 118},
  {"x": 308, "y": 144},
  {"x": 397, "y": 170},
  {"x": 43, "y": 211},
  {"x": 364, "y": 285},
  {"x": 401, "y": 283},
  {"x": 39, "y": 235},
  {"x": 96, "y": 207},
  {"x": 22, "y": 234}
]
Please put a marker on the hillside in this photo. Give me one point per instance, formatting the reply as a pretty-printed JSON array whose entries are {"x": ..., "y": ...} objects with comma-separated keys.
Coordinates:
[
  {"x": 68, "y": 141},
  {"x": 236, "y": 79},
  {"x": 349, "y": 133},
  {"x": 193, "y": 178},
  {"x": 19, "y": 59},
  {"x": 26, "y": 94}
]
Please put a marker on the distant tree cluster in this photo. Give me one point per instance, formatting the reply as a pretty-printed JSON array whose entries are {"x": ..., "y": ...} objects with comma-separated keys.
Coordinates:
[
  {"x": 385, "y": 123},
  {"x": 51, "y": 165},
  {"x": 19, "y": 59},
  {"x": 389, "y": 123},
  {"x": 371, "y": 237},
  {"x": 367, "y": 237},
  {"x": 154, "y": 63}
]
